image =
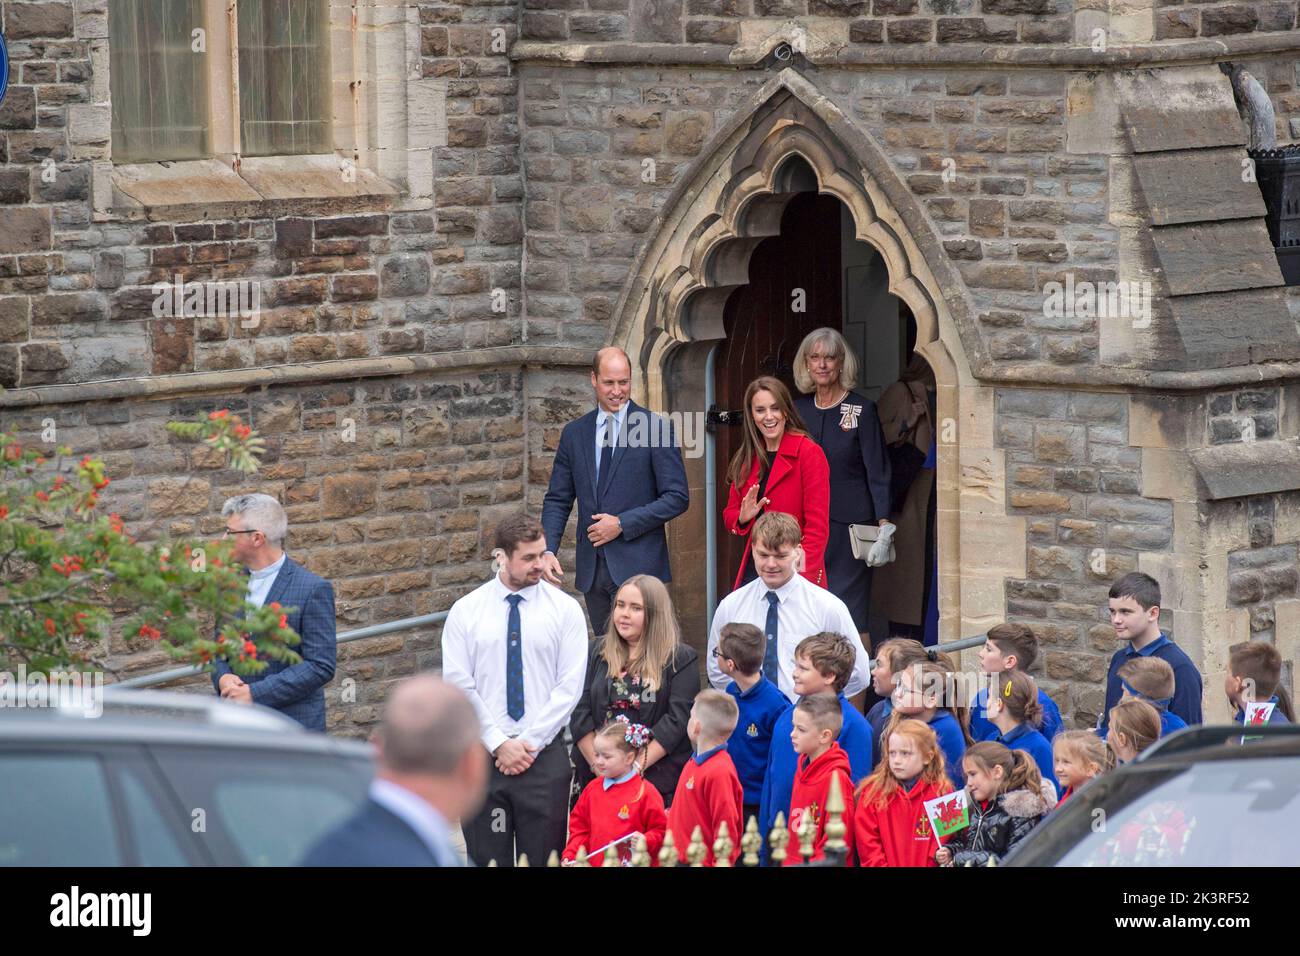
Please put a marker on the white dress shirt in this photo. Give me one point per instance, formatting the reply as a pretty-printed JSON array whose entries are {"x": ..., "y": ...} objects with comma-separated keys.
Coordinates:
[
  {"x": 260, "y": 581},
  {"x": 620, "y": 426},
  {"x": 803, "y": 610},
  {"x": 420, "y": 816},
  {"x": 553, "y": 634}
]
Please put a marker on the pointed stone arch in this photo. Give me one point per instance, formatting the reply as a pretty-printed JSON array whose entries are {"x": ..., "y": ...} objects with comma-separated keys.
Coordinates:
[
  {"x": 734, "y": 198},
  {"x": 670, "y": 314}
]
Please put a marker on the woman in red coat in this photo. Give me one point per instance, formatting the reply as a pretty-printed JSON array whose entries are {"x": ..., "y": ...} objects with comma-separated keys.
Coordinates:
[{"x": 778, "y": 467}]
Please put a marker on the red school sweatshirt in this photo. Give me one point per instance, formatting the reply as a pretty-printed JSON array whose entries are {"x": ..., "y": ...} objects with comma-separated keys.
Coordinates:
[
  {"x": 812, "y": 785},
  {"x": 708, "y": 794},
  {"x": 897, "y": 834},
  {"x": 601, "y": 816}
]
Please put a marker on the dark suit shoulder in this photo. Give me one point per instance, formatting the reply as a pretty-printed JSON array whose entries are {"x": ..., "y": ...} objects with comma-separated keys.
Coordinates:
[
  {"x": 302, "y": 577},
  {"x": 575, "y": 425},
  {"x": 373, "y": 836}
]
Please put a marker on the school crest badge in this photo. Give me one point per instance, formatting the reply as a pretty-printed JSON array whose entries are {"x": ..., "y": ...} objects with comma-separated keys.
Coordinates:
[
  {"x": 690, "y": 783},
  {"x": 623, "y": 813},
  {"x": 922, "y": 829},
  {"x": 849, "y": 416},
  {"x": 751, "y": 730}
]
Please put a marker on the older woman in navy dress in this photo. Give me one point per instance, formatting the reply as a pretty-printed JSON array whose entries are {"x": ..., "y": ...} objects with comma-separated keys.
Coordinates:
[{"x": 845, "y": 425}]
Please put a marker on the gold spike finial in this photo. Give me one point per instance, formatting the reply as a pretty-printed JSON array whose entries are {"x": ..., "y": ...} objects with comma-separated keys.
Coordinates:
[
  {"x": 553, "y": 859},
  {"x": 807, "y": 836},
  {"x": 723, "y": 846},
  {"x": 779, "y": 839},
  {"x": 750, "y": 843},
  {"x": 640, "y": 851},
  {"x": 668, "y": 855},
  {"x": 835, "y": 828},
  {"x": 580, "y": 858},
  {"x": 611, "y": 856},
  {"x": 696, "y": 851}
]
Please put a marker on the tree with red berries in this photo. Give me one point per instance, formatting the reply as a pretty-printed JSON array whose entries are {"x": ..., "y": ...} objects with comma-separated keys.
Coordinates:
[{"x": 71, "y": 575}]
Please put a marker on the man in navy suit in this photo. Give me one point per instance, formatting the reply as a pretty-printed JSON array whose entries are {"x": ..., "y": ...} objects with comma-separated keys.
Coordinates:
[
  {"x": 258, "y": 525},
  {"x": 623, "y": 467},
  {"x": 431, "y": 772}
]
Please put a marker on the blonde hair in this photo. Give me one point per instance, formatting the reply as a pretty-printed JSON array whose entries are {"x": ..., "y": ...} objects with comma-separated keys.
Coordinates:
[
  {"x": 834, "y": 346},
  {"x": 717, "y": 713},
  {"x": 659, "y": 639},
  {"x": 881, "y": 786},
  {"x": 1151, "y": 677},
  {"x": 1084, "y": 746},
  {"x": 1138, "y": 721}
]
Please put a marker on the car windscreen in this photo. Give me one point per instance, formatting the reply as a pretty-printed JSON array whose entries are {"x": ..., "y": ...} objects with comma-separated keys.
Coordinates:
[
  {"x": 1212, "y": 813},
  {"x": 263, "y": 808}
]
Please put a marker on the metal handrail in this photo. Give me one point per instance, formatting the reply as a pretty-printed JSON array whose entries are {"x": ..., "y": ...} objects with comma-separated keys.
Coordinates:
[
  {"x": 402, "y": 624},
  {"x": 374, "y": 630}
]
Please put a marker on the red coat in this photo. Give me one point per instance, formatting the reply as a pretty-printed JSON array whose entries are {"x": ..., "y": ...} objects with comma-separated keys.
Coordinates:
[
  {"x": 601, "y": 816},
  {"x": 897, "y": 834},
  {"x": 707, "y": 795},
  {"x": 799, "y": 485},
  {"x": 812, "y": 785}
]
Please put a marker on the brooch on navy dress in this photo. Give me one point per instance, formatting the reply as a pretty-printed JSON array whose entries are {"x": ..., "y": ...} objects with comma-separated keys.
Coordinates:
[{"x": 849, "y": 416}]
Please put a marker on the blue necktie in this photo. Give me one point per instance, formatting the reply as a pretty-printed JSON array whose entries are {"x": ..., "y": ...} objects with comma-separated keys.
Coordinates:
[
  {"x": 514, "y": 662},
  {"x": 607, "y": 446},
  {"x": 770, "y": 669}
]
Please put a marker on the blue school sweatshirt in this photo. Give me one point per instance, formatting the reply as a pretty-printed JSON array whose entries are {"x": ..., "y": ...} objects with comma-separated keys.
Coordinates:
[
  {"x": 1187, "y": 680},
  {"x": 1023, "y": 737},
  {"x": 760, "y": 708},
  {"x": 877, "y": 717},
  {"x": 782, "y": 763},
  {"x": 953, "y": 744},
  {"x": 1276, "y": 718},
  {"x": 981, "y": 728}
]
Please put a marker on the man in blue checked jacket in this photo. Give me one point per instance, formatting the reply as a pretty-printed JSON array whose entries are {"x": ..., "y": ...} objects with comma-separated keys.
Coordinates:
[{"x": 258, "y": 525}]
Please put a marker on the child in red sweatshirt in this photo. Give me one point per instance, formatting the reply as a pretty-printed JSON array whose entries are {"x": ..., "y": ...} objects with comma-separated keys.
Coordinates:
[
  {"x": 618, "y": 802},
  {"x": 817, "y": 722},
  {"x": 891, "y": 827},
  {"x": 708, "y": 792}
]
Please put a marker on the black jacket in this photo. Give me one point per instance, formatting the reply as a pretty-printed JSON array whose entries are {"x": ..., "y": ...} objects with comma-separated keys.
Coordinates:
[
  {"x": 666, "y": 715},
  {"x": 995, "y": 832}
]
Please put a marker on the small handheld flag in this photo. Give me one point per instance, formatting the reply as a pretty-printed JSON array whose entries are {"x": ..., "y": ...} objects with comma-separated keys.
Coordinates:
[
  {"x": 1258, "y": 714},
  {"x": 948, "y": 813}
]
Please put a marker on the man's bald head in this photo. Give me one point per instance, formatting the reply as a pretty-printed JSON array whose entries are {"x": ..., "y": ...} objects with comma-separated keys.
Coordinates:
[
  {"x": 614, "y": 359},
  {"x": 428, "y": 727},
  {"x": 611, "y": 378}
]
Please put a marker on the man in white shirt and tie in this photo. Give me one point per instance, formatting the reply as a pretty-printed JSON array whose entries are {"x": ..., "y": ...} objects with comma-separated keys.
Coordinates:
[
  {"x": 785, "y": 606},
  {"x": 518, "y": 647}
]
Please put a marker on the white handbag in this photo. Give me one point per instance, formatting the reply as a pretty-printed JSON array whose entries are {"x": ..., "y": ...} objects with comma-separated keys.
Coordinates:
[{"x": 864, "y": 536}]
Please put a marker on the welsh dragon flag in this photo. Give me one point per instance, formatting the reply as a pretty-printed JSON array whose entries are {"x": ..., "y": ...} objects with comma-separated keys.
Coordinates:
[
  {"x": 1259, "y": 714},
  {"x": 948, "y": 813}
]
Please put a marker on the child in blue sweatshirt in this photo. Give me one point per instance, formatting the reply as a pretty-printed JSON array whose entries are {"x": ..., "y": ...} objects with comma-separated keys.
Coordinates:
[
  {"x": 1014, "y": 711},
  {"x": 1151, "y": 679},
  {"x": 1010, "y": 647},
  {"x": 1255, "y": 674},
  {"x": 740, "y": 656},
  {"x": 823, "y": 662},
  {"x": 927, "y": 692},
  {"x": 894, "y": 655}
]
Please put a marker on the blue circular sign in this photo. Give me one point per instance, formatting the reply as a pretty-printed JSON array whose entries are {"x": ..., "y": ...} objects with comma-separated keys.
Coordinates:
[{"x": 4, "y": 68}]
